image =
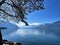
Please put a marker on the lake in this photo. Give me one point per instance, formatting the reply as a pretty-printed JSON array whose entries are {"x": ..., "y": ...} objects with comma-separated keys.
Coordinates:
[{"x": 33, "y": 37}]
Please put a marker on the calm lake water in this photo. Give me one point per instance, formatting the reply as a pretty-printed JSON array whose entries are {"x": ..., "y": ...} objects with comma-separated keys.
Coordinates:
[{"x": 33, "y": 37}]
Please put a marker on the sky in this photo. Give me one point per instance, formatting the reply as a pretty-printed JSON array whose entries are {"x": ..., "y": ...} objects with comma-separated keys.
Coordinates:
[{"x": 51, "y": 13}]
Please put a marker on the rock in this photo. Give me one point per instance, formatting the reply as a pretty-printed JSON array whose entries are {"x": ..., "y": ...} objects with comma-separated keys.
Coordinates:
[{"x": 5, "y": 42}]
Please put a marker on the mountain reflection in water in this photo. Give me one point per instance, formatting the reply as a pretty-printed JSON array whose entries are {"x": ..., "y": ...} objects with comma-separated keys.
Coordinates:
[{"x": 34, "y": 37}]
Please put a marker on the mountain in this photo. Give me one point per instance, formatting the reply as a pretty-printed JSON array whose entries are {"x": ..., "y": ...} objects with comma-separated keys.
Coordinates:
[
  {"x": 53, "y": 28},
  {"x": 10, "y": 28}
]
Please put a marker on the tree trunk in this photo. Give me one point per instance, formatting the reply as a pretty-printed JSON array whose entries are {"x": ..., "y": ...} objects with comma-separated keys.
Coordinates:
[{"x": 1, "y": 43}]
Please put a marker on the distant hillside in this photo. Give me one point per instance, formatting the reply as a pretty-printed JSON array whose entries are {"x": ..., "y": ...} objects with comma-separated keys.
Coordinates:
[
  {"x": 10, "y": 28},
  {"x": 53, "y": 27}
]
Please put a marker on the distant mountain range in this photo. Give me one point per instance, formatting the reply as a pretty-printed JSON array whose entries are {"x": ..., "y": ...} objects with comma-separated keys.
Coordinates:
[
  {"x": 48, "y": 28},
  {"x": 53, "y": 27}
]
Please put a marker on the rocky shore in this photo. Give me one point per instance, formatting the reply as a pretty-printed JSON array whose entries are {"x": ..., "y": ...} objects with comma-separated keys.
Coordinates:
[{"x": 6, "y": 42}]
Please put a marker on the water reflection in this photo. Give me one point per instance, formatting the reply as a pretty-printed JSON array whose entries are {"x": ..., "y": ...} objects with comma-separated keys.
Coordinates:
[{"x": 34, "y": 37}]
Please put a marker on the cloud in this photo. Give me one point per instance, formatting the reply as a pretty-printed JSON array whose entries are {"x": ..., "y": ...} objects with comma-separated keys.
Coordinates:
[
  {"x": 23, "y": 24},
  {"x": 21, "y": 32},
  {"x": 34, "y": 24},
  {"x": 19, "y": 24}
]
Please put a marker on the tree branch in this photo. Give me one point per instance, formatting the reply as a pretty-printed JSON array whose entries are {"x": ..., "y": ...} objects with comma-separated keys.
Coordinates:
[
  {"x": 25, "y": 22},
  {"x": 2, "y": 2},
  {"x": 6, "y": 13},
  {"x": 14, "y": 16}
]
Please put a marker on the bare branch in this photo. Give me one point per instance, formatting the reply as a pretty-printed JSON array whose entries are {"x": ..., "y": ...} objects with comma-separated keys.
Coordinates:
[
  {"x": 22, "y": 7},
  {"x": 2, "y": 2},
  {"x": 25, "y": 22},
  {"x": 6, "y": 13}
]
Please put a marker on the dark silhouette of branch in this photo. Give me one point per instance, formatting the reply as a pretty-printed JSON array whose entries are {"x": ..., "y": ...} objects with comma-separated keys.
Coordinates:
[
  {"x": 25, "y": 22},
  {"x": 6, "y": 13},
  {"x": 1, "y": 40},
  {"x": 2, "y": 2},
  {"x": 3, "y": 28}
]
